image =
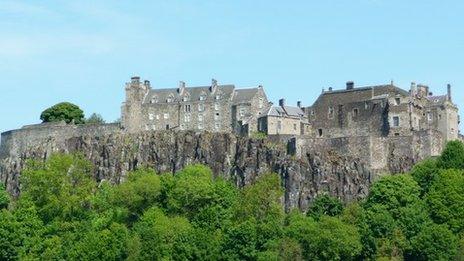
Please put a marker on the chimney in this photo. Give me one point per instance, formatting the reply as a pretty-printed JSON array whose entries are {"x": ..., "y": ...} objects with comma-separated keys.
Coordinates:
[
  {"x": 181, "y": 87},
  {"x": 135, "y": 79},
  {"x": 214, "y": 85},
  {"x": 147, "y": 83},
  {"x": 350, "y": 85},
  {"x": 282, "y": 102},
  {"x": 330, "y": 89},
  {"x": 298, "y": 104},
  {"x": 449, "y": 91}
]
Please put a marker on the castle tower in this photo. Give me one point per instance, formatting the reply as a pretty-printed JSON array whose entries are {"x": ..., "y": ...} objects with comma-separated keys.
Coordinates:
[{"x": 131, "y": 112}]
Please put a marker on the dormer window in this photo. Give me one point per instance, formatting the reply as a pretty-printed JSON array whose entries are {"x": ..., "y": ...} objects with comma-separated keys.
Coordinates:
[
  {"x": 202, "y": 97},
  {"x": 218, "y": 97},
  {"x": 397, "y": 101},
  {"x": 169, "y": 99},
  {"x": 154, "y": 99},
  {"x": 186, "y": 98}
]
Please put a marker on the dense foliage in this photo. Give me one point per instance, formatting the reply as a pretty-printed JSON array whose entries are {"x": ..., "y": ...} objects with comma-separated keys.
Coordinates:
[
  {"x": 64, "y": 111},
  {"x": 63, "y": 213},
  {"x": 95, "y": 118}
]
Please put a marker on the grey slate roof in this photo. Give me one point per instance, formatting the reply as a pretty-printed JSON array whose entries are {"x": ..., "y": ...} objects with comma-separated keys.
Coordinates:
[
  {"x": 244, "y": 95},
  {"x": 286, "y": 111},
  {"x": 226, "y": 92},
  {"x": 438, "y": 99}
]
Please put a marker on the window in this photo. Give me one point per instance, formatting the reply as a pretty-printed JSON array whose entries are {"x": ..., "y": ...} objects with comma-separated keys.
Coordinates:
[
  {"x": 153, "y": 127},
  {"x": 169, "y": 99},
  {"x": 167, "y": 127},
  {"x": 216, "y": 116},
  {"x": 151, "y": 116},
  {"x": 200, "y": 117},
  {"x": 279, "y": 125},
  {"x": 294, "y": 126},
  {"x": 202, "y": 97},
  {"x": 319, "y": 132},
  {"x": 439, "y": 116},
  {"x": 312, "y": 112},
  {"x": 331, "y": 112},
  {"x": 154, "y": 100},
  {"x": 366, "y": 105},
  {"x": 218, "y": 97},
  {"x": 261, "y": 103},
  {"x": 200, "y": 126},
  {"x": 396, "y": 121},
  {"x": 217, "y": 126},
  {"x": 216, "y": 106},
  {"x": 397, "y": 101},
  {"x": 166, "y": 116},
  {"x": 187, "y": 108},
  {"x": 429, "y": 116},
  {"x": 355, "y": 112},
  {"x": 147, "y": 127},
  {"x": 182, "y": 127},
  {"x": 187, "y": 118},
  {"x": 242, "y": 112},
  {"x": 186, "y": 98},
  {"x": 201, "y": 107},
  {"x": 157, "y": 116}
]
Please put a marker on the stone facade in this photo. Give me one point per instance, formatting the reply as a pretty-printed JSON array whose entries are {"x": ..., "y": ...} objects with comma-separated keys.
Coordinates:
[
  {"x": 285, "y": 120},
  {"x": 383, "y": 111},
  {"x": 214, "y": 108}
]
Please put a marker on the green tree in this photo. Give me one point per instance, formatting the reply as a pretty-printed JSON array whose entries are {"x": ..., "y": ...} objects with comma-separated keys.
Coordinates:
[
  {"x": 4, "y": 197},
  {"x": 446, "y": 200},
  {"x": 327, "y": 239},
  {"x": 452, "y": 156},
  {"x": 164, "y": 238},
  {"x": 434, "y": 242},
  {"x": 325, "y": 205},
  {"x": 95, "y": 119},
  {"x": 425, "y": 173},
  {"x": 64, "y": 111},
  {"x": 60, "y": 188}
]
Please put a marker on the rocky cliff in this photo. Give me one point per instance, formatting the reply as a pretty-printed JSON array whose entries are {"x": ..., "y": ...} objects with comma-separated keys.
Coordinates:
[{"x": 241, "y": 160}]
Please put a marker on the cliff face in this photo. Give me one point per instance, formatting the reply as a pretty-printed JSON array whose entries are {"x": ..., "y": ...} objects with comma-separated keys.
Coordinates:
[{"x": 241, "y": 160}]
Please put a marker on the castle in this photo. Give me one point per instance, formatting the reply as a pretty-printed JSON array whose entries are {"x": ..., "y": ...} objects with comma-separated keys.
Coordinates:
[{"x": 378, "y": 111}]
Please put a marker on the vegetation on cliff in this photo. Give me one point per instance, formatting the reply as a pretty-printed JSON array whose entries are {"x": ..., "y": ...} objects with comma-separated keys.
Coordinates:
[{"x": 62, "y": 213}]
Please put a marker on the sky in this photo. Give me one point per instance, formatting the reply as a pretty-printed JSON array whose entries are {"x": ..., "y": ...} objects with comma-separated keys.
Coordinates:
[{"x": 85, "y": 51}]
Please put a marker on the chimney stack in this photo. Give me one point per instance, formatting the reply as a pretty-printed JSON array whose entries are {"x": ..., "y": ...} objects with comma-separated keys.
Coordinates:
[
  {"x": 350, "y": 85},
  {"x": 181, "y": 87},
  {"x": 135, "y": 79},
  {"x": 298, "y": 104},
  {"x": 147, "y": 83},
  {"x": 449, "y": 91},
  {"x": 282, "y": 102},
  {"x": 330, "y": 89}
]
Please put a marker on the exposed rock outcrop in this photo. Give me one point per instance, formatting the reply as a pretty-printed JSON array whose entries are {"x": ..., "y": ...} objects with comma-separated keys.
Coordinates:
[{"x": 241, "y": 160}]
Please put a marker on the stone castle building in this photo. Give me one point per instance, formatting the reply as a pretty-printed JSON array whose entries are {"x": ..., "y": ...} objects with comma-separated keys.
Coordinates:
[
  {"x": 214, "y": 108},
  {"x": 379, "y": 111}
]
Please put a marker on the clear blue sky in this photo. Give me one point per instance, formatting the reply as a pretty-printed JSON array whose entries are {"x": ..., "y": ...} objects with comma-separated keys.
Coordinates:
[{"x": 84, "y": 52}]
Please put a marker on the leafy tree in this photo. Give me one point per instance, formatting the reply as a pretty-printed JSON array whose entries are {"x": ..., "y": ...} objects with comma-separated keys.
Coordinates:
[
  {"x": 452, "y": 156},
  {"x": 446, "y": 200},
  {"x": 4, "y": 197},
  {"x": 434, "y": 242},
  {"x": 325, "y": 205},
  {"x": 60, "y": 188},
  {"x": 394, "y": 192},
  {"x": 163, "y": 237},
  {"x": 425, "y": 173},
  {"x": 64, "y": 111},
  {"x": 240, "y": 241},
  {"x": 95, "y": 119}
]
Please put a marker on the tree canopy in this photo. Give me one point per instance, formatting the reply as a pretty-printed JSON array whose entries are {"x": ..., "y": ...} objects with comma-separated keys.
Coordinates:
[{"x": 65, "y": 111}]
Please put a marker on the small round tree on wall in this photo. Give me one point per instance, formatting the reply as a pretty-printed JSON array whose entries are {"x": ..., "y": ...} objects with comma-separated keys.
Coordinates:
[{"x": 65, "y": 111}]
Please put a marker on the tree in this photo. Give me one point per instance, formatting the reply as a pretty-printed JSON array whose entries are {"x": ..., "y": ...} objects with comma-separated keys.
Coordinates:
[
  {"x": 452, "y": 156},
  {"x": 4, "y": 197},
  {"x": 446, "y": 199},
  {"x": 425, "y": 173},
  {"x": 434, "y": 242},
  {"x": 65, "y": 111},
  {"x": 325, "y": 205},
  {"x": 60, "y": 188},
  {"x": 95, "y": 119}
]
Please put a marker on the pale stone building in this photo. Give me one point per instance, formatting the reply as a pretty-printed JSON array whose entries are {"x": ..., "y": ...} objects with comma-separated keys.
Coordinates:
[
  {"x": 214, "y": 108},
  {"x": 285, "y": 120}
]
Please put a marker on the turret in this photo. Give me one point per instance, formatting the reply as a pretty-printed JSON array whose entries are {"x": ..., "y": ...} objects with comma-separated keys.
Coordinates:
[
  {"x": 132, "y": 108},
  {"x": 214, "y": 85}
]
